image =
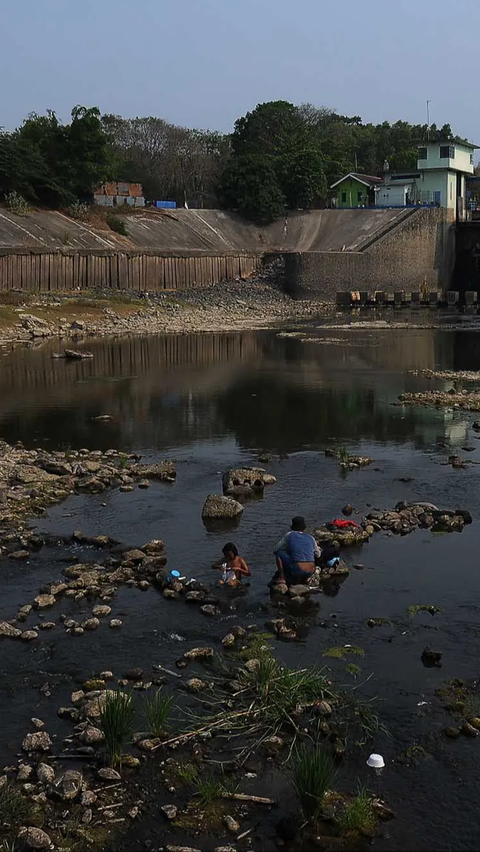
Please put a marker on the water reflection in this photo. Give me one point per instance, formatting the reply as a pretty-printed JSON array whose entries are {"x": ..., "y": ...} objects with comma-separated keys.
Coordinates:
[{"x": 257, "y": 387}]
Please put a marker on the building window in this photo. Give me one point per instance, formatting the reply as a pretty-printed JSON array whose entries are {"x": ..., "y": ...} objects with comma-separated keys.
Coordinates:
[
  {"x": 447, "y": 152},
  {"x": 359, "y": 195},
  {"x": 344, "y": 197},
  {"x": 471, "y": 159},
  {"x": 422, "y": 153}
]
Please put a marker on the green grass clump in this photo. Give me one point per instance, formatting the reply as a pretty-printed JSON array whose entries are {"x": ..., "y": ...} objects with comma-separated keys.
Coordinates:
[
  {"x": 431, "y": 608},
  {"x": 340, "y": 652},
  {"x": 14, "y": 808},
  {"x": 257, "y": 646},
  {"x": 116, "y": 723},
  {"x": 358, "y": 815},
  {"x": 117, "y": 224},
  {"x": 314, "y": 772},
  {"x": 187, "y": 773},
  {"x": 209, "y": 788},
  {"x": 157, "y": 711}
]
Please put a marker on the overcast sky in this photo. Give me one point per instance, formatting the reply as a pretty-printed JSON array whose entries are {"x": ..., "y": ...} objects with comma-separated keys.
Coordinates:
[{"x": 203, "y": 63}]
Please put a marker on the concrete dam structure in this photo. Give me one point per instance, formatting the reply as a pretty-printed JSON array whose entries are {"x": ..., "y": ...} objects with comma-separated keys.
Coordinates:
[{"x": 325, "y": 251}]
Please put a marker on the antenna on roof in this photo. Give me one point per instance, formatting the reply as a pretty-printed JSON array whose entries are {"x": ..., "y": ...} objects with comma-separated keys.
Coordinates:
[{"x": 428, "y": 120}]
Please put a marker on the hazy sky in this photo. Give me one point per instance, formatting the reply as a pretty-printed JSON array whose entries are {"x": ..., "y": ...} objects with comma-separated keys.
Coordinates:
[{"x": 203, "y": 63}]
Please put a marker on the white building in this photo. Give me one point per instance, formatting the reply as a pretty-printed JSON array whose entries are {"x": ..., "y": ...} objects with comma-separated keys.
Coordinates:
[{"x": 439, "y": 178}]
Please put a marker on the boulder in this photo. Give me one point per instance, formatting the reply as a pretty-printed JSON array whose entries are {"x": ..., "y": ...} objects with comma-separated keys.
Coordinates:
[
  {"x": 153, "y": 547},
  {"x": 108, "y": 774},
  {"x": 134, "y": 555},
  {"x": 25, "y": 772},
  {"x": 199, "y": 654},
  {"x": 45, "y": 773},
  {"x": 91, "y": 736},
  {"x": 101, "y": 609},
  {"x": 194, "y": 684},
  {"x": 217, "y": 506},
  {"x": 90, "y": 624},
  {"x": 29, "y": 635},
  {"x": 39, "y": 741},
  {"x": 41, "y": 601},
  {"x": 116, "y": 623},
  {"x": 299, "y": 590},
  {"x": 254, "y": 478},
  {"x": 68, "y": 786},
  {"x": 164, "y": 471},
  {"x": 169, "y": 811},
  {"x": 33, "y": 838},
  {"x": 8, "y": 630}
]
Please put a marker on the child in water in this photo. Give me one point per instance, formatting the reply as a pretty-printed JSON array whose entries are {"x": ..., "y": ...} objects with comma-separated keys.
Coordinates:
[{"x": 232, "y": 565}]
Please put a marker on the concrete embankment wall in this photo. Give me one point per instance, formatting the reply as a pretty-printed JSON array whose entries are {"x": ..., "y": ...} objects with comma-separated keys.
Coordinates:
[
  {"x": 415, "y": 253},
  {"x": 326, "y": 251}
]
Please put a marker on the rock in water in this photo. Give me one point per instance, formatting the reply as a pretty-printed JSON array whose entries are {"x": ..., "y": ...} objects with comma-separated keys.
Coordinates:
[
  {"x": 170, "y": 811},
  {"x": 39, "y": 741},
  {"x": 34, "y": 838},
  {"x": 218, "y": 506},
  {"x": 8, "y": 630},
  {"x": 108, "y": 774},
  {"x": 45, "y": 773},
  {"x": 68, "y": 786},
  {"x": 431, "y": 658}
]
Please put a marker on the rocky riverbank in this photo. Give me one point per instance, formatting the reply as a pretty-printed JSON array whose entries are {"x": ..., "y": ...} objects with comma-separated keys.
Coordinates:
[{"x": 229, "y": 306}]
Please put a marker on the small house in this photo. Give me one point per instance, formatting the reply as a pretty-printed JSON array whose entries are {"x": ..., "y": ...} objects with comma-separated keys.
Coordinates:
[
  {"x": 117, "y": 193},
  {"x": 355, "y": 190}
]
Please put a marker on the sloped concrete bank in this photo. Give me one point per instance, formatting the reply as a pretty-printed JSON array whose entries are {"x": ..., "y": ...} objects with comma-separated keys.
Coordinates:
[{"x": 326, "y": 251}]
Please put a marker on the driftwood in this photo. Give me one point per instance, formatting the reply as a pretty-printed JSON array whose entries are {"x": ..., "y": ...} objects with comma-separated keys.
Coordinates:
[{"x": 243, "y": 797}]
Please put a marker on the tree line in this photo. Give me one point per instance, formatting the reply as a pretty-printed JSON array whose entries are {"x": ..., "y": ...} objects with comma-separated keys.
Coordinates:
[{"x": 279, "y": 156}]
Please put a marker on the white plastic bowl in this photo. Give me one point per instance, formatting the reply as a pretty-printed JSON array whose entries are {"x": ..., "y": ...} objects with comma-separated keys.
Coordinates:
[{"x": 376, "y": 761}]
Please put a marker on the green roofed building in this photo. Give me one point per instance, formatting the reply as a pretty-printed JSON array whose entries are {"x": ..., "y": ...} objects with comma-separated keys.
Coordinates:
[{"x": 355, "y": 190}]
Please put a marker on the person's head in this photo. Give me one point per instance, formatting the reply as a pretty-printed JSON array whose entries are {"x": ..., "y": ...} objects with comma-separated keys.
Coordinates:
[
  {"x": 298, "y": 524},
  {"x": 229, "y": 550}
]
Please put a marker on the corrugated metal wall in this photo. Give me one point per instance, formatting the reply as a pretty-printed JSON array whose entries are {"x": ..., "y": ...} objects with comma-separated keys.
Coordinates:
[{"x": 140, "y": 272}]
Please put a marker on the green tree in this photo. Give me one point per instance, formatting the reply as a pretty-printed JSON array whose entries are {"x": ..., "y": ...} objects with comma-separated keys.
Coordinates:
[
  {"x": 276, "y": 161},
  {"x": 249, "y": 184}
]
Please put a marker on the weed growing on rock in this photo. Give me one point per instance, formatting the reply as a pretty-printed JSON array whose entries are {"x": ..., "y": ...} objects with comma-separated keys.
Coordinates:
[
  {"x": 186, "y": 772},
  {"x": 340, "y": 652},
  {"x": 313, "y": 773},
  {"x": 157, "y": 711},
  {"x": 416, "y": 608},
  {"x": 358, "y": 815},
  {"x": 116, "y": 723}
]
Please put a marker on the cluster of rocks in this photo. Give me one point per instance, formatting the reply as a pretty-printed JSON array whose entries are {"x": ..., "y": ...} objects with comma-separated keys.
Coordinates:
[
  {"x": 53, "y": 791},
  {"x": 454, "y": 375},
  {"x": 347, "y": 461},
  {"x": 243, "y": 483},
  {"x": 222, "y": 307},
  {"x": 461, "y": 399},
  {"x": 88, "y": 582},
  {"x": 32, "y": 480},
  {"x": 406, "y": 518},
  {"x": 403, "y": 519}
]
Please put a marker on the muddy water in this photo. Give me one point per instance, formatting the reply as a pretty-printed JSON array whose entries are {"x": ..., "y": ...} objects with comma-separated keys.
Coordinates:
[{"x": 213, "y": 401}]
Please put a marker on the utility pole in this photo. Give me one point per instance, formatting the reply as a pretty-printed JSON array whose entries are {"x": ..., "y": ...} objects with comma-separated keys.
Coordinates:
[{"x": 428, "y": 120}]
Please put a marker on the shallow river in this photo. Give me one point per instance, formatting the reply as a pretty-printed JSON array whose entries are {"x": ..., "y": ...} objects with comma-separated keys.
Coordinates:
[{"x": 212, "y": 402}]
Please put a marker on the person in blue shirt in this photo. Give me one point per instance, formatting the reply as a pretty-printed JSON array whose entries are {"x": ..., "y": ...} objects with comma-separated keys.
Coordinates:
[{"x": 295, "y": 554}]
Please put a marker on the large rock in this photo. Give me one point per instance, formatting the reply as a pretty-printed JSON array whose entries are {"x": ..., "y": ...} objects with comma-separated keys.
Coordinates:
[
  {"x": 45, "y": 773},
  {"x": 164, "y": 470},
  {"x": 218, "y": 506},
  {"x": 41, "y": 601},
  {"x": 68, "y": 786},
  {"x": 33, "y": 838},
  {"x": 244, "y": 479},
  {"x": 39, "y": 741},
  {"x": 9, "y": 630}
]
